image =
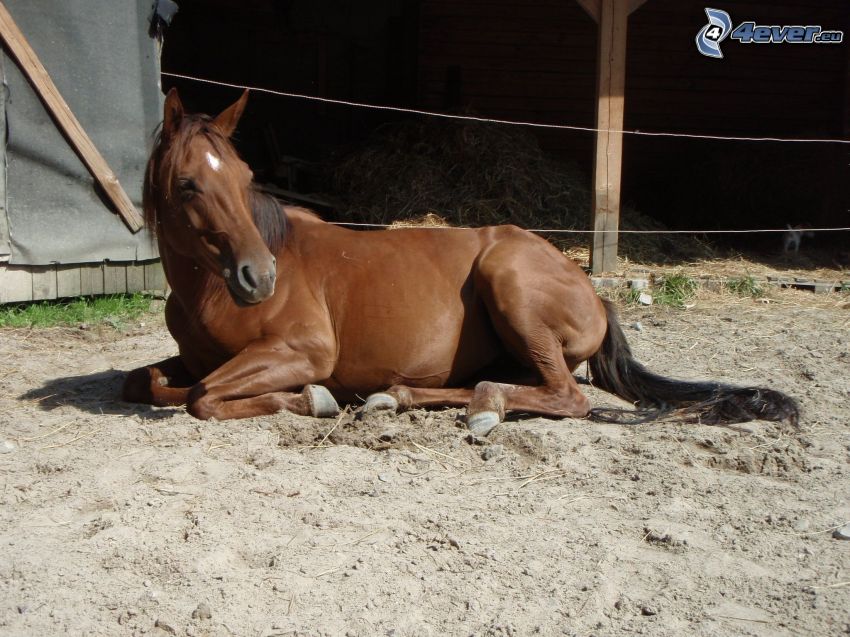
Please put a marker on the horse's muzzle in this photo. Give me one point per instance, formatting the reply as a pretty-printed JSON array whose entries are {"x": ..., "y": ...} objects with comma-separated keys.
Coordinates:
[{"x": 250, "y": 283}]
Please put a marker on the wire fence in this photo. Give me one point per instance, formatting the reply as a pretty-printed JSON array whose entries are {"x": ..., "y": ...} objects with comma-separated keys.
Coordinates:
[
  {"x": 490, "y": 120},
  {"x": 576, "y": 231}
]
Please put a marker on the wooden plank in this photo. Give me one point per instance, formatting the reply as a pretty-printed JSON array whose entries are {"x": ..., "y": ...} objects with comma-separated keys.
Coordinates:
[
  {"x": 67, "y": 281},
  {"x": 135, "y": 277},
  {"x": 609, "y": 143},
  {"x": 32, "y": 67},
  {"x": 91, "y": 279},
  {"x": 592, "y": 7},
  {"x": 155, "y": 277},
  {"x": 43, "y": 282},
  {"x": 33, "y": 283},
  {"x": 114, "y": 278},
  {"x": 15, "y": 284}
]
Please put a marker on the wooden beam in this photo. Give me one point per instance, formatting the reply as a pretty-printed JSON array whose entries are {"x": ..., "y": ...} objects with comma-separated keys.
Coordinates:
[
  {"x": 611, "y": 81},
  {"x": 846, "y": 113},
  {"x": 45, "y": 88},
  {"x": 634, "y": 5},
  {"x": 592, "y": 7}
]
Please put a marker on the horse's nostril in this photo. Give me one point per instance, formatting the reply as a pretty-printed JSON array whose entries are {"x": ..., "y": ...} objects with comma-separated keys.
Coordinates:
[{"x": 248, "y": 277}]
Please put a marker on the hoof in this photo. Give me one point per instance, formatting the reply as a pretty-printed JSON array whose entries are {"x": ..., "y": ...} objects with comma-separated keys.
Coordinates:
[
  {"x": 380, "y": 402},
  {"x": 322, "y": 404},
  {"x": 483, "y": 422}
]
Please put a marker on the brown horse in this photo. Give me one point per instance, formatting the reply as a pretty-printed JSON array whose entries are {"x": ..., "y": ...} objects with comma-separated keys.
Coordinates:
[{"x": 274, "y": 309}]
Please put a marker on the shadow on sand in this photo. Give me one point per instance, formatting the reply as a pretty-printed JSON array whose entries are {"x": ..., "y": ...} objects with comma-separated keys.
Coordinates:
[{"x": 98, "y": 393}]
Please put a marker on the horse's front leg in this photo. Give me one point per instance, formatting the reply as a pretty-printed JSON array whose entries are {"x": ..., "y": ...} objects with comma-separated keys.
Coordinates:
[
  {"x": 163, "y": 384},
  {"x": 264, "y": 379}
]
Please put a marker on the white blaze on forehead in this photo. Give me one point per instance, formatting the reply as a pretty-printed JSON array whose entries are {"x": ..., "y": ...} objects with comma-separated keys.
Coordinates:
[{"x": 213, "y": 161}]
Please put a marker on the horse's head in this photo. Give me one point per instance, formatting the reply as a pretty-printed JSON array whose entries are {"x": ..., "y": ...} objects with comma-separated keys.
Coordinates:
[{"x": 198, "y": 197}]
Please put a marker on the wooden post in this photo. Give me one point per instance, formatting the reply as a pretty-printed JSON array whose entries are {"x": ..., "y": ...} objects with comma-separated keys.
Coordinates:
[
  {"x": 65, "y": 119},
  {"x": 611, "y": 80}
]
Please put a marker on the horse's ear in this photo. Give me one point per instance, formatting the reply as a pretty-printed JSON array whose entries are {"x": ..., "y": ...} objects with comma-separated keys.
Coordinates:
[
  {"x": 229, "y": 117},
  {"x": 172, "y": 114}
]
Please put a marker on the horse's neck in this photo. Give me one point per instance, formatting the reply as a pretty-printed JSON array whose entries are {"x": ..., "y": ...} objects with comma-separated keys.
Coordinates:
[{"x": 188, "y": 279}]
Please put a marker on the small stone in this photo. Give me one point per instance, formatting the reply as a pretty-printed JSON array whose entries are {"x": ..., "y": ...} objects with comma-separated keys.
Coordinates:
[
  {"x": 637, "y": 325},
  {"x": 203, "y": 611},
  {"x": 842, "y": 532},
  {"x": 22, "y": 608},
  {"x": 164, "y": 626},
  {"x": 384, "y": 477},
  {"x": 472, "y": 439},
  {"x": 648, "y": 611},
  {"x": 147, "y": 583},
  {"x": 492, "y": 451},
  {"x": 7, "y": 446}
]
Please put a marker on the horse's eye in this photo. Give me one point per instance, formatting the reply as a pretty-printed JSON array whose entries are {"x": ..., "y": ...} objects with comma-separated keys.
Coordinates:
[{"x": 187, "y": 186}]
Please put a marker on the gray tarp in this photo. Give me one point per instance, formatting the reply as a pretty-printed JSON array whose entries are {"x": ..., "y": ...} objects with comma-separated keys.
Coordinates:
[{"x": 106, "y": 67}]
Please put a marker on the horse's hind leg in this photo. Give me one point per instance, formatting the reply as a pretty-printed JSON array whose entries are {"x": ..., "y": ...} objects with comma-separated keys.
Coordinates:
[
  {"x": 548, "y": 322},
  {"x": 548, "y": 317}
]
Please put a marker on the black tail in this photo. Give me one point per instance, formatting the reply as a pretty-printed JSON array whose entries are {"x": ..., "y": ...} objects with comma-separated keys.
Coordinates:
[{"x": 615, "y": 370}]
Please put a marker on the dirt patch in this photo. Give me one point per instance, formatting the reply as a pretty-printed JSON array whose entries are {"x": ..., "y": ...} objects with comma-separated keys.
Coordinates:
[{"x": 125, "y": 520}]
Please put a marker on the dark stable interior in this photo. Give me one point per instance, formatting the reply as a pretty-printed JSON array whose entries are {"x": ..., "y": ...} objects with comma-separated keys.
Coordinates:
[{"x": 538, "y": 63}]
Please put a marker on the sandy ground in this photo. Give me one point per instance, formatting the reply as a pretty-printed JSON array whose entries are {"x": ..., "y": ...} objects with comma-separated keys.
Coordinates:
[{"x": 127, "y": 520}]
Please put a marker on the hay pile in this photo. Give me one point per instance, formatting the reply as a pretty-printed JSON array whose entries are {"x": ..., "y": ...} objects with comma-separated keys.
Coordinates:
[{"x": 475, "y": 174}]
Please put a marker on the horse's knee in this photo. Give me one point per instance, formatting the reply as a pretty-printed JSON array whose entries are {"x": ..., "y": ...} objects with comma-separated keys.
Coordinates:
[{"x": 200, "y": 404}]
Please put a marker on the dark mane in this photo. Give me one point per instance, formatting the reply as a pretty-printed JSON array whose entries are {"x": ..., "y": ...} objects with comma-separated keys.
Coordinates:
[
  {"x": 269, "y": 218},
  {"x": 160, "y": 176}
]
